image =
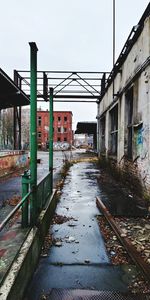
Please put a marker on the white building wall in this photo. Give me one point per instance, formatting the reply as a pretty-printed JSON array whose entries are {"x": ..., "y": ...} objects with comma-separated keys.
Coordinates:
[
  {"x": 129, "y": 76},
  {"x": 136, "y": 58}
]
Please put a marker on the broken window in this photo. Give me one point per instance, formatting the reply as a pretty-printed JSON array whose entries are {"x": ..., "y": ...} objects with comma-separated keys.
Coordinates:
[
  {"x": 59, "y": 119},
  {"x": 39, "y": 120},
  {"x": 129, "y": 121},
  {"x": 114, "y": 130},
  {"x": 65, "y": 129},
  {"x": 39, "y": 134},
  {"x": 102, "y": 134},
  {"x": 65, "y": 119},
  {"x": 65, "y": 139},
  {"x": 58, "y": 139},
  {"x": 59, "y": 129}
]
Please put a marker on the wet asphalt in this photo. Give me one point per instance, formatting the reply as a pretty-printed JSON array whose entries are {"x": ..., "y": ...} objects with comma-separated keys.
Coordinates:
[
  {"x": 11, "y": 187},
  {"x": 79, "y": 260}
]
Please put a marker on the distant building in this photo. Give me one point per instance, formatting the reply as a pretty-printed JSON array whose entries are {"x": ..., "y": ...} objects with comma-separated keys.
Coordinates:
[
  {"x": 62, "y": 128},
  {"x": 90, "y": 131},
  {"x": 81, "y": 140}
]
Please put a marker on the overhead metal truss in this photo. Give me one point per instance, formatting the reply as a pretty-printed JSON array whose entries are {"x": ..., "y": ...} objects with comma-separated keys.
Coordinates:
[{"x": 69, "y": 86}]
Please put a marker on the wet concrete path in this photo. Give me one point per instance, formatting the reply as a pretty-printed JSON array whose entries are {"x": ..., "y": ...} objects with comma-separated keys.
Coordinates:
[{"x": 80, "y": 260}]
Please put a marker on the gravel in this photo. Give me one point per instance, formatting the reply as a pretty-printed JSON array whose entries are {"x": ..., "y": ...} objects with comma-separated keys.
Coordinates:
[{"x": 137, "y": 230}]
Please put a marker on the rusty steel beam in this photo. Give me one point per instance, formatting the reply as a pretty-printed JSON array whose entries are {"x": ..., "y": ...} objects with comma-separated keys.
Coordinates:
[{"x": 131, "y": 250}]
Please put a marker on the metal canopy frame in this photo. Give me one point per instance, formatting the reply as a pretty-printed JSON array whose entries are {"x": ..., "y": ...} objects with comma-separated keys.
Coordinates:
[
  {"x": 10, "y": 93},
  {"x": 11, "y": 96},
  {"x": 69, "y": 86}
]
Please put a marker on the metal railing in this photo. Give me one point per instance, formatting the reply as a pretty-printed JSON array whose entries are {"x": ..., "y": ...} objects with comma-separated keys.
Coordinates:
[{"x": 43, "y": 191}]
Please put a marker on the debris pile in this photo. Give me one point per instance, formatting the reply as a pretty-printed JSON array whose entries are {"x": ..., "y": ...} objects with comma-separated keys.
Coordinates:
[
  {"x": 47, "y": 244},
  {"x": 137, "y": 229},
  {"x": 116, "y": 251},
  {"x": 14, "y": 200},
  {"x": 59, "y": 219}
]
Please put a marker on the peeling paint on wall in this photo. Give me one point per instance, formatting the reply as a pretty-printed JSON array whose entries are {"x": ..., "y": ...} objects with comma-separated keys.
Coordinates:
[{"x": 13, "y": 161}]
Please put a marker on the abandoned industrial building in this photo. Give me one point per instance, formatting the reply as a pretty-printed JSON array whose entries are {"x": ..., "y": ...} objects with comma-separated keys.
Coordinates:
[
  {"x": 75, "y": 203},
  {"x": 62, "y": 128},
  {"x": 124, "y": 110}
]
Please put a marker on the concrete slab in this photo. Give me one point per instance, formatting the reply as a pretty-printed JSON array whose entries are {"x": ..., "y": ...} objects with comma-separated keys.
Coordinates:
[
  {"x": 10, "y": 241},
  {"x": 83, "y": 262},
  {"x": 78, "y": 201},
  {"x": 108, "y": 278}
]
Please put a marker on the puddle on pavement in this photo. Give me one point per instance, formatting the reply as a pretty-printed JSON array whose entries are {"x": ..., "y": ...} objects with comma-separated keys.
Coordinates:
[{"x": 78, "y": 257}]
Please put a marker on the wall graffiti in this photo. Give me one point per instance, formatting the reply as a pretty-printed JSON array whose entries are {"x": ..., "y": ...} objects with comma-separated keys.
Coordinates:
[
  {"x": 13, "y": 161},
  {"x": 142, "y": 141}
]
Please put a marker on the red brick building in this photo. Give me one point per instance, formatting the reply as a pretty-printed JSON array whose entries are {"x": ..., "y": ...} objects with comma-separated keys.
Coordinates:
[{"x": 62, "y": 126}]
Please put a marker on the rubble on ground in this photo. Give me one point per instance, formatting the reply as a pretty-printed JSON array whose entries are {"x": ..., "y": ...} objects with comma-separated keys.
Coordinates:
[
  {"x": 59, "y": 219},
  {"x": 47, "y": 244},
  {"x": 137, "y": 229}
]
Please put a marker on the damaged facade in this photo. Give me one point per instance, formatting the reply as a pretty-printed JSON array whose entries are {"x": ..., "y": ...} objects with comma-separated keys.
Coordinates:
[{"x": 124, "y": 110}]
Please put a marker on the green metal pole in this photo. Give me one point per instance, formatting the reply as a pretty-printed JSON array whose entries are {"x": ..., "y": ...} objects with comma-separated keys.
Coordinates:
[
  {"x": 51, "y": 138},
  {"x": 33, "y": 130}
]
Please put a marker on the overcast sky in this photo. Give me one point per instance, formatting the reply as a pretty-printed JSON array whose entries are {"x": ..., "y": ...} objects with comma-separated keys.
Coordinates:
[{"x": 70, "y": 35}]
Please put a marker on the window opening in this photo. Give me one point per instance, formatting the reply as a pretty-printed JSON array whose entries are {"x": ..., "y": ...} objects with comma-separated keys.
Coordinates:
[
  {"x": 129, "y": 107},
  {"x": 39, "y": 120},
  {"x": 114, "y": 130},
  {"x": 102, "y": 131}
]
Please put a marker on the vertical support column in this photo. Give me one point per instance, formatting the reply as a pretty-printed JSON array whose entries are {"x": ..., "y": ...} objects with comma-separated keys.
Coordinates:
[
  {"x": 15, "y": 146},
  {"x": 19, "y": 121},
  {"x": 51, "y": 137},
  {"x": 15, "y": 127},
  {"x": 107, "y": 133},
  {"x": 1, "y": 133},
  {"x": 33, "y": 130},
  {"x": 114, "y": 41},
  {"x": 19, "y": 125}
]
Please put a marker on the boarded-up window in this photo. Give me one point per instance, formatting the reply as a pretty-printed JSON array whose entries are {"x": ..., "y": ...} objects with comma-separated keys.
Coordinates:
[
  {"x": 129, "y": 114},
  {"x": 102, "y": 134},
  {"x": 114, "y": 130}
]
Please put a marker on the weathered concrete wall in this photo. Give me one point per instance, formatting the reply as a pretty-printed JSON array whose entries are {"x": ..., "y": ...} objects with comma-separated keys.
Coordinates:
[
  {"x": 135, "y": 73},
  {"x": 24, "y": 265},
  {"x": 12, "y": 160}
]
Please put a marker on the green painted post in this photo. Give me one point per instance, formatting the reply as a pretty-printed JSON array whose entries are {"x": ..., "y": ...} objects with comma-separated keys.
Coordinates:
[
  {"x": 33, "y": 130},
  {"x": 51, "y": 138},
  {"x": 25, "y": 189}
]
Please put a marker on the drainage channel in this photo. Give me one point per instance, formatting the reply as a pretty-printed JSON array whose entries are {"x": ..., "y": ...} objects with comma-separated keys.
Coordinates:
[
  {"x": 131, "y": 250},
  {"x": 77, "y": 265}
]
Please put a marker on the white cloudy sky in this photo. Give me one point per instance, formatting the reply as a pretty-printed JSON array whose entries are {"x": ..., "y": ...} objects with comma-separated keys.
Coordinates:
[{"x": 70, "y": 35}]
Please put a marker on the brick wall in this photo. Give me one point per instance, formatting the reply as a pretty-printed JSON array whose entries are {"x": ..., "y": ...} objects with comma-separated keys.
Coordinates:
[{"x": 62, "y": 126}]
